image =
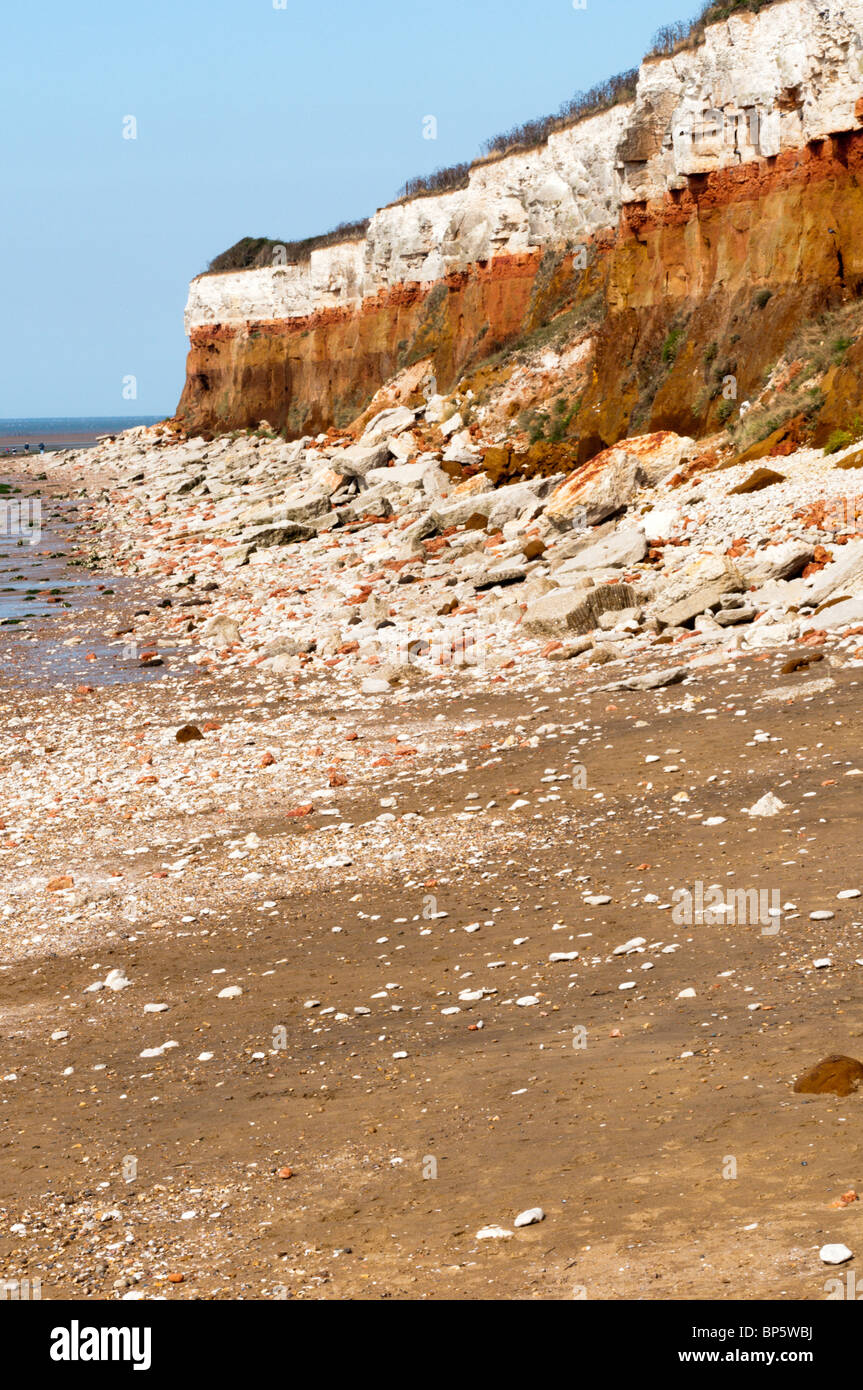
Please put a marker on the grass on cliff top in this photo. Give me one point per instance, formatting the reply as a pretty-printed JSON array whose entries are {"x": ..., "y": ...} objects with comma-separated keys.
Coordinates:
[
  {"x": 672, "y": 38},
  {"x": 258, "y": 252}
]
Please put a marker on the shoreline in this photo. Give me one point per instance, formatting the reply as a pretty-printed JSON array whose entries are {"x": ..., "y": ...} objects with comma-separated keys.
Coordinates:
[{"x": 35, "y": 432}]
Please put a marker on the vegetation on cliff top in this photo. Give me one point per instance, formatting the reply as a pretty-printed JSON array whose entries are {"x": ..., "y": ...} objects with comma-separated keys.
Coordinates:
[
  {"x": 256, "y": 252},
  {"x": 672, "y": 38}
]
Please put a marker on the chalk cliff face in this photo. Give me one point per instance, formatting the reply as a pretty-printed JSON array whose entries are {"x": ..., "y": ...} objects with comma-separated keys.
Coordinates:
[{"x": 735, "y": 169}]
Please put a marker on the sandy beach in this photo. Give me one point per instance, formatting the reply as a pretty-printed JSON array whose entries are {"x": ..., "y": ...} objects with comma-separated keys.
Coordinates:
[{"x": 311, "y": 986}]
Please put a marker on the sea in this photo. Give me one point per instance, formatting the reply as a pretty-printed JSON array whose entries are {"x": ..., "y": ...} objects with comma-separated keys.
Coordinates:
[
  {"x": 33, "y": 436},
  {"x": 35, "y": 580}
]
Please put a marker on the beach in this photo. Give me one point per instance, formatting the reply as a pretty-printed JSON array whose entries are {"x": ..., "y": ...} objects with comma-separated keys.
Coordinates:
[
  {"x": 26, "y": 435},
  {"x": 322, "y": 965}
]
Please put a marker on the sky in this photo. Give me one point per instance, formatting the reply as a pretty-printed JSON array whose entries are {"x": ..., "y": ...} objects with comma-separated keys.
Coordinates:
[{"x": 277, "y": 118}]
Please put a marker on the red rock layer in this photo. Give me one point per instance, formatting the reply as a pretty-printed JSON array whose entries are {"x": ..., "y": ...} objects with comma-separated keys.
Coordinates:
[{"x": 682, "y": 306}]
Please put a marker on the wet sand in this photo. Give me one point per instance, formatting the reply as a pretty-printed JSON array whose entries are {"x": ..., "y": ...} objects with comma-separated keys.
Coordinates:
[{"x": 54, "y": 609}]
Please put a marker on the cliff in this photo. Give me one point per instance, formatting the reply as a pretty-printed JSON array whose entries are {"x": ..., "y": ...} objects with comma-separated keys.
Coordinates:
[{"x": 687, "y": 237}]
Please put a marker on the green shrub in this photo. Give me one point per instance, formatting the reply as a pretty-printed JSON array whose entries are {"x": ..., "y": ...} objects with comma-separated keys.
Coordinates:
[
  {"x": 839, "y": 439},
  {"x": 564, "y": 418},
  {"x": 441, "y": 181},
  {"x": 255, "y": 253},
  {"x": 671, "y": 38},
  {"x": 537, "y": 431},
  {"x": 762, "y": 420},
  {"x": 671, "y": 345}
]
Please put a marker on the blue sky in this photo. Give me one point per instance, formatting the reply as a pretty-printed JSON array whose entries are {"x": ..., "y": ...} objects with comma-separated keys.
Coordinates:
[{"x": 251, "y": 120}]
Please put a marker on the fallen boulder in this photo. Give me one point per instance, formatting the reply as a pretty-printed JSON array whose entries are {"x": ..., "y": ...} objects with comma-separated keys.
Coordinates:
[
  {"x": 280, "y": 533},
  {"x": 623, "y": 548},
  {"x": 653, "y": 680},
  {"x": 834, "y": 1075},
  {"x": 359, "y": 459},
  {"x": 843, "y": 576},
  {"x": 224, "y": 630},
  {"x": 498, "y": 506},
  {"x": 386, "y": 422},
  {"x": 761, "y": 478},
  {"x": 600, "y": 489},
  {"x": 706, "y": 570},
  {"x": 783, "y": 561},
  {"x": 846, "y": 613},
  {"x": 567, "y": 610},
  {"x": 686, "y": 609}
]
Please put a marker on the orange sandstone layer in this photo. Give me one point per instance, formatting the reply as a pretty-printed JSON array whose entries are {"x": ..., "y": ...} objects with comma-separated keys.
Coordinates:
[
  {"x": 305, "y": 374},
  {"x": 677, "y": 296}
]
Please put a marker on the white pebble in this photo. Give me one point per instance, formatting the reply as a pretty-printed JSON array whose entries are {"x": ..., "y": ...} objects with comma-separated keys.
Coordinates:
[
  {"x": 529, "y": 1217},
  {"x": 835, "y": 1254}
]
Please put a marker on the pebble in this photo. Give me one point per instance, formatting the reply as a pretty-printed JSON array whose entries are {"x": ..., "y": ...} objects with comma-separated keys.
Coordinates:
[
  {"x": 631, "y": 945},
  {"x": 116, "y": 980},
  {"x": 531, "y": 1217},
  {"x": 835, "y": 1254},
  {"x": 769, "y": 805}
]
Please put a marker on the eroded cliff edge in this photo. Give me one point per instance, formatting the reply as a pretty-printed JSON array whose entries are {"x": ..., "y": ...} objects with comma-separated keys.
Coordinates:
[{"x": 676, "y": 241}]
